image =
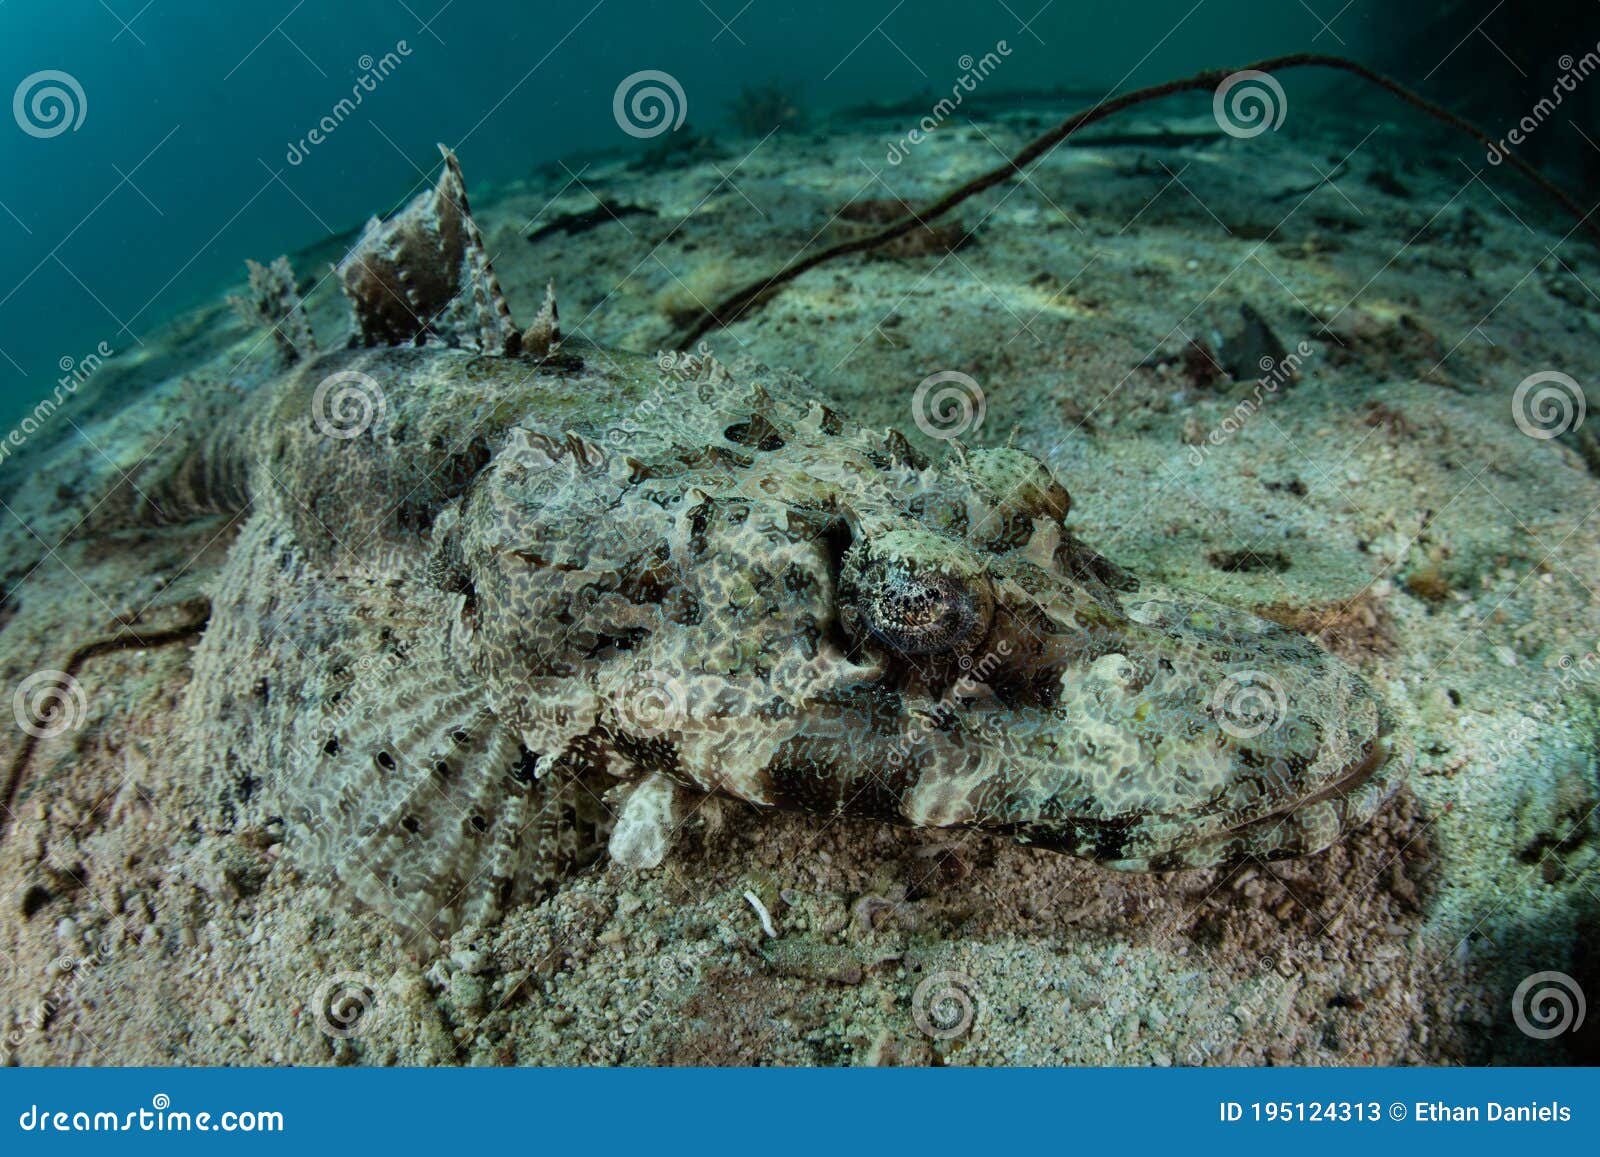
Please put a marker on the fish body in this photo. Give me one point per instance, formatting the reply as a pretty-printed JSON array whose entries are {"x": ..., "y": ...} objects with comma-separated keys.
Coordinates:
[{"x": 497, "y": 598}]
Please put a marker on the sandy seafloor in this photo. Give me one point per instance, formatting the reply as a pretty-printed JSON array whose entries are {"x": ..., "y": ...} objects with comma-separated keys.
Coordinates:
[{"x": 1386, "y": 501}]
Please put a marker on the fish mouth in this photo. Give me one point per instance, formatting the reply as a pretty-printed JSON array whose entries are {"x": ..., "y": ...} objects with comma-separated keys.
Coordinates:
[
  {"x": 1371, "y": 758},
  {"x": 1300, "y": 827},
  {"x": 1355, "y": 775},
  {"x": 1350, "y": 799}
]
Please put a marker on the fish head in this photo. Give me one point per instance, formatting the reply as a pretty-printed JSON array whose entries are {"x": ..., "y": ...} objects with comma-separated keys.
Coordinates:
[{"x": 761, "y": 601}]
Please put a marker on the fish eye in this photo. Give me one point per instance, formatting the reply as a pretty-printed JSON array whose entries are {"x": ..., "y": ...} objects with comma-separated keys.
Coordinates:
[{"x": 917, "y": 592}]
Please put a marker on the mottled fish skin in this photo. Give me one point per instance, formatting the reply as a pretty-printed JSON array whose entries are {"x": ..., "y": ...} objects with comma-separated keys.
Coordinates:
[
  {"x": 714, "y": 578},
  {"x": 440, "y": 638},
  {"x": 623, "y": 572}
]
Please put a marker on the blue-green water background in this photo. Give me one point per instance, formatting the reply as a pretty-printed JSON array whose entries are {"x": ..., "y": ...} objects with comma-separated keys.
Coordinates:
[{"x": 179, "y": 168}]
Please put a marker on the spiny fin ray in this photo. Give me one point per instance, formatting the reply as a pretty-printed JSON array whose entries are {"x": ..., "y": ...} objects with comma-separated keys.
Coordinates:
[{"x": 424, "y": 275}]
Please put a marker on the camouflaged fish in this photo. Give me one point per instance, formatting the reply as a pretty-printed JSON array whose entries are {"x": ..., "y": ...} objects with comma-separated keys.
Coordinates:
[{"x": 491, "y": 589}]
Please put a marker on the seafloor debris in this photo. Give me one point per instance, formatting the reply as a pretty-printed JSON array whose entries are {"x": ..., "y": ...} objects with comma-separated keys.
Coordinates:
[
  {"x": 1252, "y": 352},
  {"x": 1383, "y": 343},
  {"x": 572, "y": 224},
  {"x": 761, "y": 108},
  {"x": 677, "y": 150},
  {"x": 734, "y": 306},
  {"x": 1354, "y": 629},
  {"x": 864, "y": 217}
]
